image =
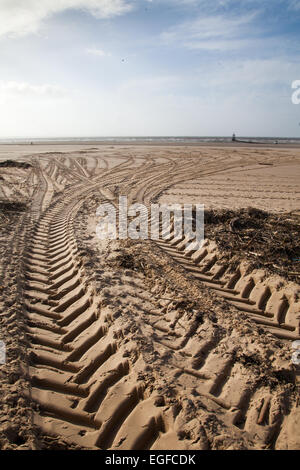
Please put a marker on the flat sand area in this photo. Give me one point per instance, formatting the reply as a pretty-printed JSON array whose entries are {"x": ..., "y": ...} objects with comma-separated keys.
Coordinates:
[{"x": 149, "y": 344}]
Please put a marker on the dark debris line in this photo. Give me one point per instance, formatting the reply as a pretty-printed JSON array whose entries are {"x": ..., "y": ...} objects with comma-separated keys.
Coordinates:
[{"x": 267, "y": 241}]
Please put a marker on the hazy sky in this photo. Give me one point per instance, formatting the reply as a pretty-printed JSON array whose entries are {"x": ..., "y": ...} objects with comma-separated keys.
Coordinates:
[{"x": 149, "y": 67}]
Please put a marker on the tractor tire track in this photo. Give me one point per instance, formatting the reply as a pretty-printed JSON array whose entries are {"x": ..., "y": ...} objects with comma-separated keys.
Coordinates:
[
  {"x": 84, "y": 384},
  {"x": 85, "y": 389}
]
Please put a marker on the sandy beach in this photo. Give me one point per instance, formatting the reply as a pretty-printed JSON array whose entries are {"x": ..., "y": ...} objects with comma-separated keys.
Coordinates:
[{"x": 146, "y": 344}]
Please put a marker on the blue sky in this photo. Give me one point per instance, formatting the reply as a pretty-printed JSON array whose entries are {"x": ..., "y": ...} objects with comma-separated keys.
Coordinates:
[{"x": 141, "y": 67}]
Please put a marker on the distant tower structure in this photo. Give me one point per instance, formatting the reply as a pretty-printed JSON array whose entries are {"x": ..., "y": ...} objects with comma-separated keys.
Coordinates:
[{"x": 233, "y": 137}]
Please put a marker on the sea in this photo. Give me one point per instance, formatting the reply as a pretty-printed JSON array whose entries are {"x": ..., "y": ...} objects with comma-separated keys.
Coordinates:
[{"x": 151, "y": 140}]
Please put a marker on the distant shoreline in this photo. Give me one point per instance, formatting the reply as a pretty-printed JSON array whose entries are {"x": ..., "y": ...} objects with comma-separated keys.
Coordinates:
[
  {"x": 155, "y": 143},
  {"x": 150, "y": 138}
]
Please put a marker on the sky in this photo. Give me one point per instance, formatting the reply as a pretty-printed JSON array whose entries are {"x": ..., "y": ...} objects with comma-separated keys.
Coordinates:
[{"x": 74, "y": 68}]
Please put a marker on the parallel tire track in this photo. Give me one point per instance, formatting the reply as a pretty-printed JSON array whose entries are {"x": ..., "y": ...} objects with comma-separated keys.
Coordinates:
[
  {"x": 86, "y": 390},
  {"x": 82, "y": 380},
  {"x": 265, "y": 301},
  {"x": 268, "y": 302}
]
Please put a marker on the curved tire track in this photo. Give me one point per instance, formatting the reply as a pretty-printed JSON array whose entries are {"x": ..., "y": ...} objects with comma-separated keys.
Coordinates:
[{"x": 83, "y": 383}]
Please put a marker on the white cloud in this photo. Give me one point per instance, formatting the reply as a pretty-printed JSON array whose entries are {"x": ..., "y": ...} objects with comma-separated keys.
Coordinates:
[
  {"x": 141, "y": 109},
  {"x": 23, "y": 88},
  {"x": 294, "y": 4},
  {"x": 97, "y": 52},
  {"x": 249, "y": 74},
  {"x": 19, "y": 17},
  {"x": 211, "y": 32},
  {"x": 214, "y": 5},
  {"x": 151, "y": 84}
]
